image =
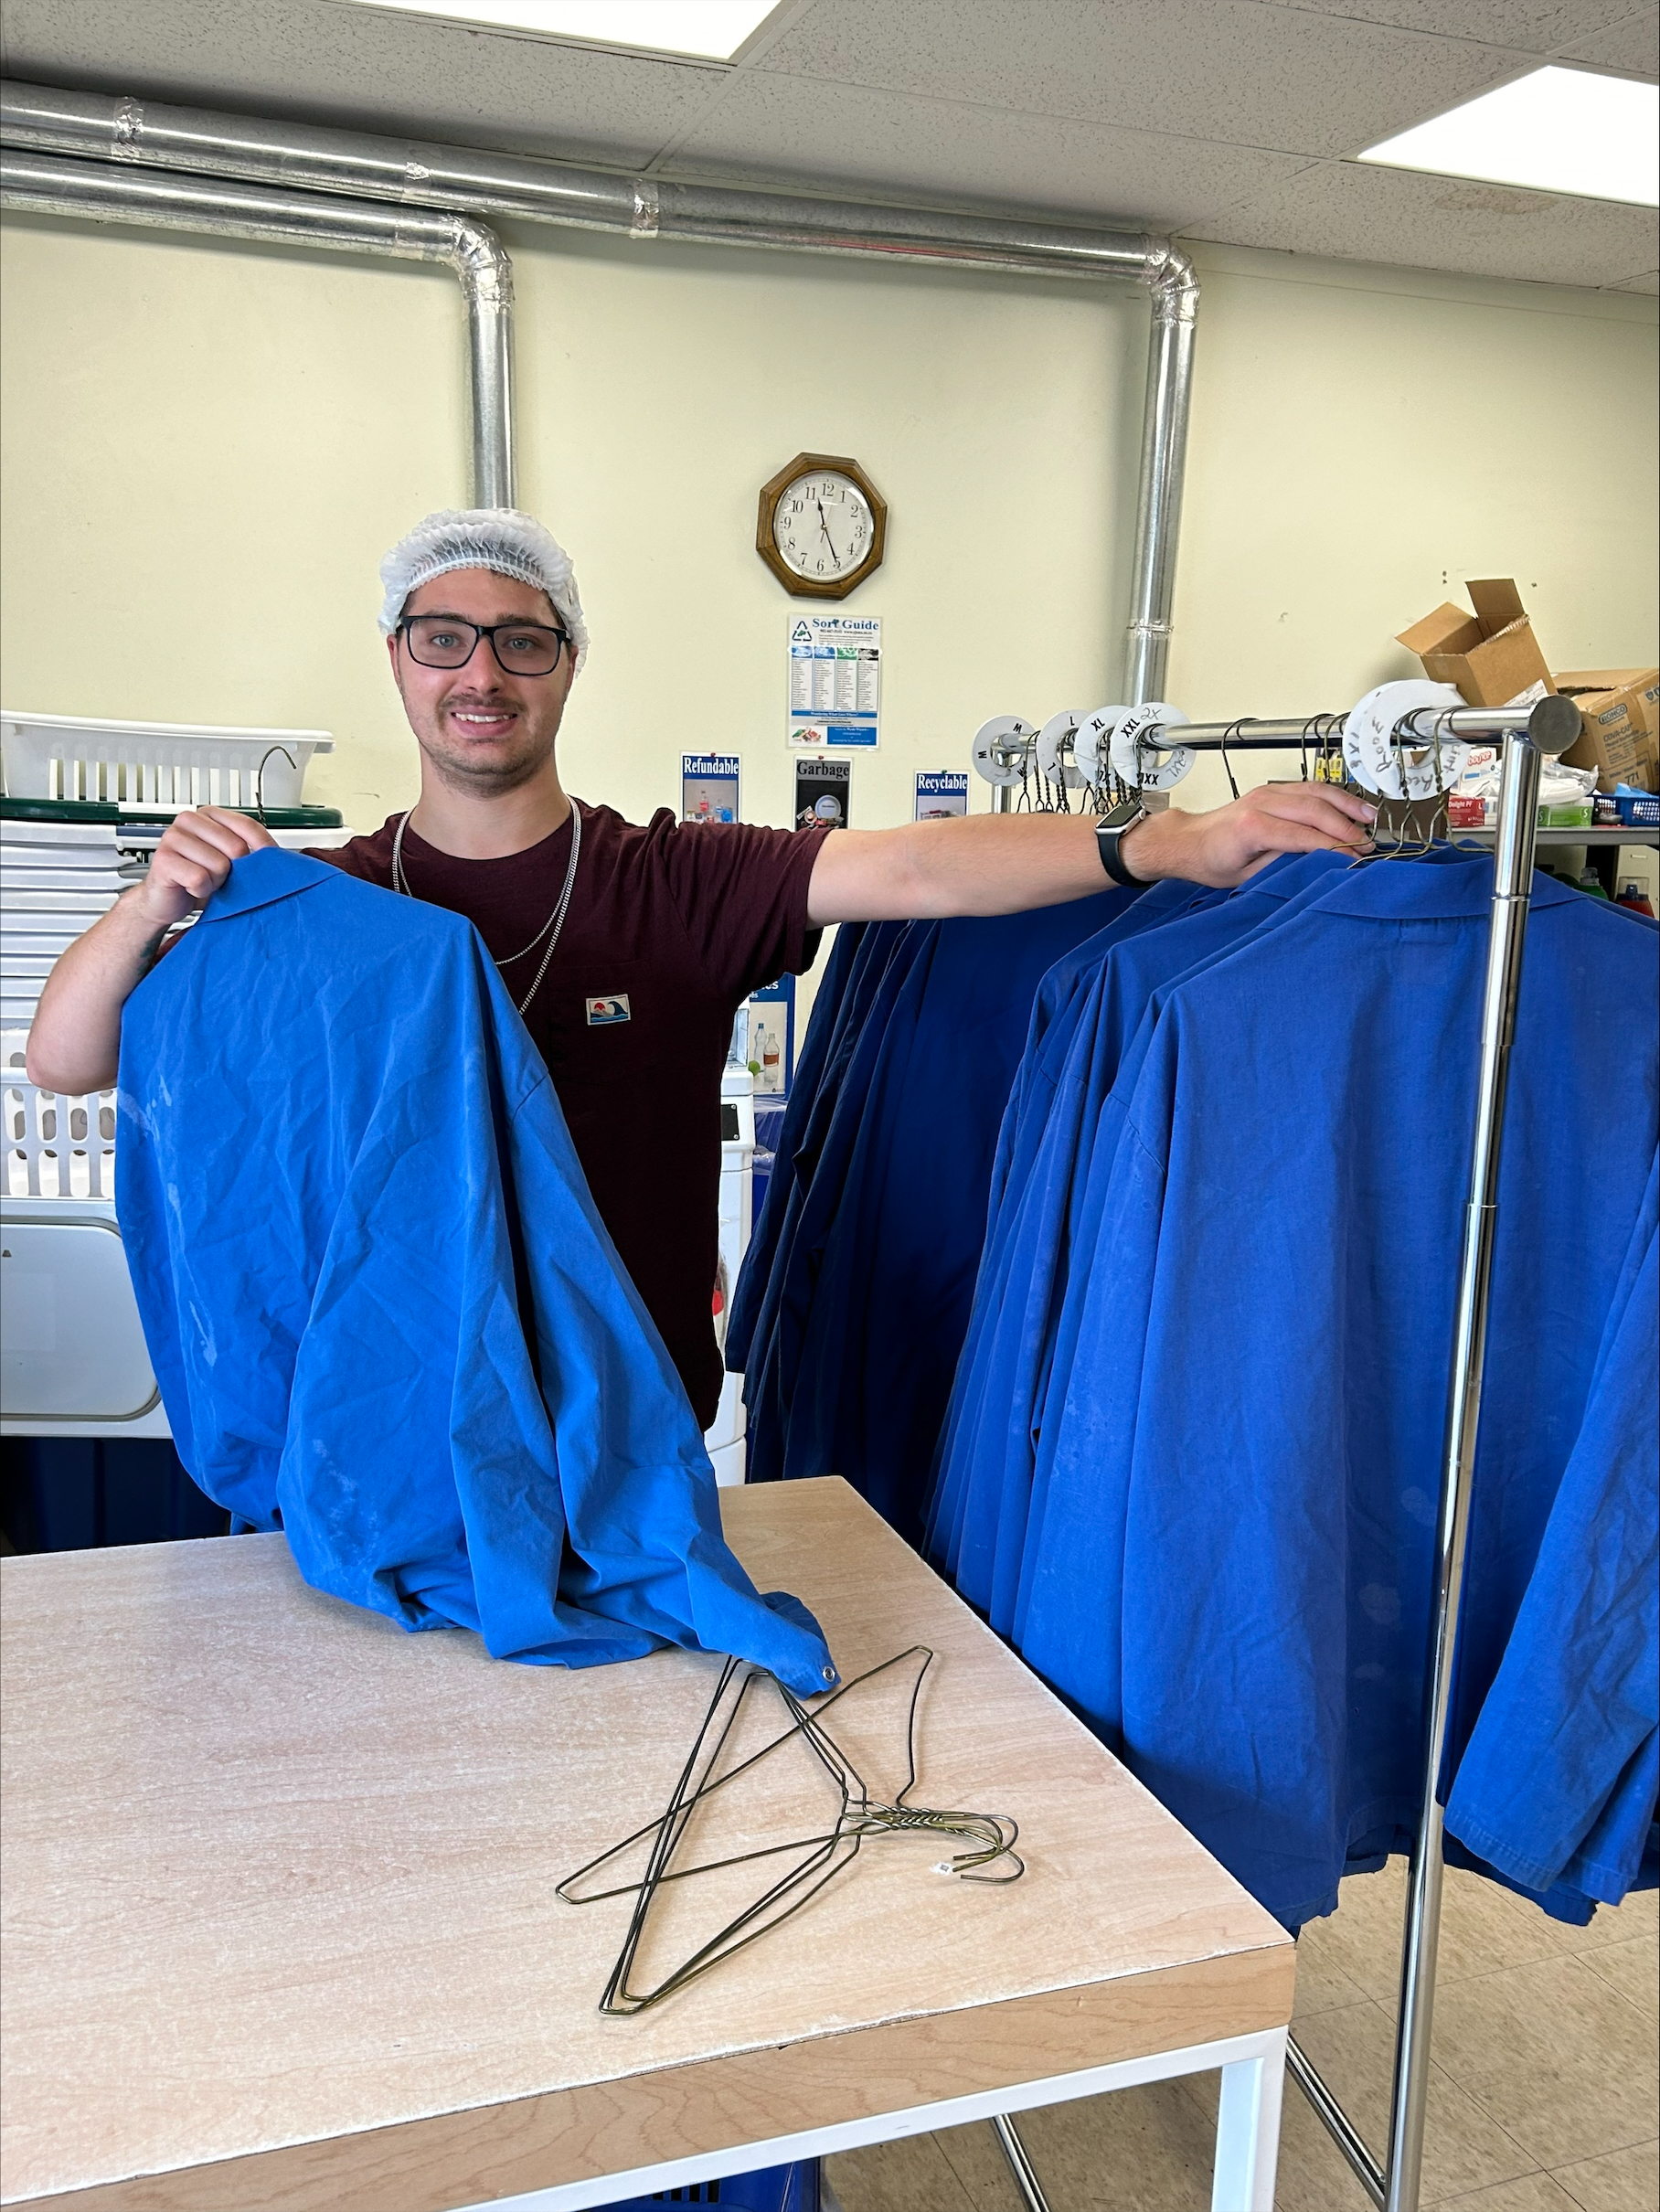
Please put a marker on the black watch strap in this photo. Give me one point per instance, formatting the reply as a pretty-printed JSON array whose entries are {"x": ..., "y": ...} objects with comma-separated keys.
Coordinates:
[{"x": 1109, "y": 831}]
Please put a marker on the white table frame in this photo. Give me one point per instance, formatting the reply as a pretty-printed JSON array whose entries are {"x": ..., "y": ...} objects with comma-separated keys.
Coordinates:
[{"x": 1247, "y": 2137}]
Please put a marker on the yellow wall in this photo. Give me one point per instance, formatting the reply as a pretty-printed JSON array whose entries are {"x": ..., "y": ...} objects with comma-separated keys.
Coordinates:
[{"x": 207, "y": 449}]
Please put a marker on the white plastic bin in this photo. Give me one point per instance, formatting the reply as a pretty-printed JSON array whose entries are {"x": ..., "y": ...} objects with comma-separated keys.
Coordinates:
[{"x": 159, "y": 765}]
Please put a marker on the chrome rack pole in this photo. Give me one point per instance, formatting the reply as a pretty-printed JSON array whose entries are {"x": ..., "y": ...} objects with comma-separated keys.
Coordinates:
[
  {"x": 1512, "y": 888},
  {"x": 1284, "y": 733}
]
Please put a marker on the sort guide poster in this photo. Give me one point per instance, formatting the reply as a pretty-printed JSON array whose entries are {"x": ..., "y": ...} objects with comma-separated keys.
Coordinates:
[
  {"x": 824, "y": 792},
  {"x": 835, "y": 682}
]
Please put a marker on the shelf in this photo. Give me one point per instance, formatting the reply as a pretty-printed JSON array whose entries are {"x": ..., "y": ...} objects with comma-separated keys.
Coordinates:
[{"x": 1600, "y": 833}]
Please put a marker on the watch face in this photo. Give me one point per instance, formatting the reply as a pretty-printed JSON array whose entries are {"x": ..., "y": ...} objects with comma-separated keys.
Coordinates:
[{"x": 823, "y": 526}]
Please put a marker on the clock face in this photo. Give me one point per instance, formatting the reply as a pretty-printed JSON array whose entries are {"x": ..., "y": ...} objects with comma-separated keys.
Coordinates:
[{"x": 823, "y": 526}]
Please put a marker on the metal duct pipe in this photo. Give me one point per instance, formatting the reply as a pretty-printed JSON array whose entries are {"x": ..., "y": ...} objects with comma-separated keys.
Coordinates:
[
  {"x": 102, "y": 192},
  {"x": 1164, "y": 462},
  {"x": 145, "y": 134}
]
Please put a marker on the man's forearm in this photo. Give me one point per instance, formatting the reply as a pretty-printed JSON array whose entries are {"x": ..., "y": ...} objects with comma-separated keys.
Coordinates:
[
  {"x": 1003, "y": 863},
  {"x": 75, "y": 1039},
  {"x": 998, "y": 863}
]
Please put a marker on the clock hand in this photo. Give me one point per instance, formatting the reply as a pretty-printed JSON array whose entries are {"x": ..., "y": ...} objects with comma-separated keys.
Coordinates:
[{"x": 824, "y": 526}]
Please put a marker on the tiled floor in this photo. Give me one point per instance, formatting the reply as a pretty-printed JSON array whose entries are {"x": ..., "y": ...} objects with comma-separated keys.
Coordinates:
[{"x": 1544, "y": 2095}]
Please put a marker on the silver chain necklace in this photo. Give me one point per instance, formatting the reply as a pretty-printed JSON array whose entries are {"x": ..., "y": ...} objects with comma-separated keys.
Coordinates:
[{"x": 555, "y": 922}]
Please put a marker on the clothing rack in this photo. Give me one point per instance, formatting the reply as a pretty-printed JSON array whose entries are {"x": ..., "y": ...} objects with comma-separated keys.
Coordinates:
[{"x": 1528, "y": 733}]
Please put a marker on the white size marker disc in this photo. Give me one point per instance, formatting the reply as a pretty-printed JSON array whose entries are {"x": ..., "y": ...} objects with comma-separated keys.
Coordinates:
[
  {"x": 1156, "y": 766},
  {"x": 1000, "y": 745},
  {"x": 1094, "y": 735},
  {"x": 1059, "y": 728},
  {"x": 1395, "y": 770}
]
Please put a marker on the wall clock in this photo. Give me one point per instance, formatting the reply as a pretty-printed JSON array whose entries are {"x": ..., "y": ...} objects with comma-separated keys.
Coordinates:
[{"x": 822, "y": 525}]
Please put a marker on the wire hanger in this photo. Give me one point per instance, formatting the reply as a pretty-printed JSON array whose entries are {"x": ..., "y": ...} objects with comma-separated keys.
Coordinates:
[
  {"x": 989, "y": 1838},
  {"x": 259, "y": 777}
]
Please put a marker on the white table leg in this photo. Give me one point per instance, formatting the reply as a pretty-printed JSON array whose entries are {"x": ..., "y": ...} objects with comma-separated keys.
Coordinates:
[
  {"x": 1248, "y": 2132},
  {"x": 1253, "y": 2068}
]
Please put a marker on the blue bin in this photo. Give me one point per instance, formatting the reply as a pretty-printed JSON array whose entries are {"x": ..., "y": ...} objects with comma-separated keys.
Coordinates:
[{"x": 792, "y": 2188}]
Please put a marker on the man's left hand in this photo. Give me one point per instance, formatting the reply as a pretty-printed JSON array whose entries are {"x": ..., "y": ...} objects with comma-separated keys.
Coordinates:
[{"x": 1228, "y": 845}]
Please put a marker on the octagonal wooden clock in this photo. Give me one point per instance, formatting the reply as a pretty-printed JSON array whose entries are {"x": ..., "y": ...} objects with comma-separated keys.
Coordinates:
[{"x": 822, "y": 525}]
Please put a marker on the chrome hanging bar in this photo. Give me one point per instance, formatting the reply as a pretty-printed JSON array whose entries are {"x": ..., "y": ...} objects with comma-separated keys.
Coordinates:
[{"x": 1285, "y": 733}]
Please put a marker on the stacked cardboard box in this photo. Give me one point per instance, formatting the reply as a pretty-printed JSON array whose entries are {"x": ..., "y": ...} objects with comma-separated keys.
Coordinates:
[
  {"x": 1493, "y": 658},
  {"x": 1620, "y": 712}
]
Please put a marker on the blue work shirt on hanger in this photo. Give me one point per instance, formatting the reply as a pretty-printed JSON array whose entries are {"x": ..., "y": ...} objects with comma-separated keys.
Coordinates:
[
  {"x": 1230, "y": 1580},
  {"x": 894, "y": 1284},
  {"x": 980, "y": 1507},
  {"x": 1542, "y": 1803},
  {"x": 383, "y": 1311}
]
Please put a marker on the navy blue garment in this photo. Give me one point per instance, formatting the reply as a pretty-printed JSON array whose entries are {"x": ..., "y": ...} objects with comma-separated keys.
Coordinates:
[
  {"x": 820, "y": 1169},
  {"x": 981, "y": 1504},
  {"x": 803, "y": 1089},
  {"x": 893, "y": 1287},
  {"x": 1546, "y": 1805},
  {"x": 384, "y": 1312},
  {"x": 764, "y": 1277},
  {"x": 1231, "y": 1575}
]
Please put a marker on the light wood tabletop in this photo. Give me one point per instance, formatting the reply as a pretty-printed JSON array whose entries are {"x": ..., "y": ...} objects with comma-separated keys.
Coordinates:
[{"x": 280, "y": 1924}]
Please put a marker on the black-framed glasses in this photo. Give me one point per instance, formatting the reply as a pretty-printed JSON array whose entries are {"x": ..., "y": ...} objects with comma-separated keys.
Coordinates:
[{"x": 444, "y": 640}]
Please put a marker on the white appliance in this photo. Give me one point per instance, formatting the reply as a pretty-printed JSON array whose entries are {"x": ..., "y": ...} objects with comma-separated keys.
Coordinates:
[{"x": 725, "y": 1440}]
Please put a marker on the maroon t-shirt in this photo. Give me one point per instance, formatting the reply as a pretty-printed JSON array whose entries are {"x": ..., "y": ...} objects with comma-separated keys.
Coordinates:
[{"x": 670, "y": 928}]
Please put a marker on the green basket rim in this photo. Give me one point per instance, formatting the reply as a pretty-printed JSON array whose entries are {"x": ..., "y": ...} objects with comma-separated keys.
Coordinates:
[{"x": 98, "y": 810}]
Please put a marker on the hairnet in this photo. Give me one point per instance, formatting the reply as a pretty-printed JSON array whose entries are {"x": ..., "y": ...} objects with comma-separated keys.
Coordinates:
[{"x": 498, "y": 539}]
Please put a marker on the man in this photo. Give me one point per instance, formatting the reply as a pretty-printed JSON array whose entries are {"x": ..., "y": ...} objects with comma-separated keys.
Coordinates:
[{"x": 627, "y": 949}]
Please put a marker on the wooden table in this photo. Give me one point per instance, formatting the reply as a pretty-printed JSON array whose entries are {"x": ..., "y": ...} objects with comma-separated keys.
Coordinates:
[{"x": 282, "y": 1929}]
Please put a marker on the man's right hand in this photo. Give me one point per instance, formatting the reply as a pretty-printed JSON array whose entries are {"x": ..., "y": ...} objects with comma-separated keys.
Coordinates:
[
  {"x": 193, "y": 859},
  {"x": 75, "y": 1038}
]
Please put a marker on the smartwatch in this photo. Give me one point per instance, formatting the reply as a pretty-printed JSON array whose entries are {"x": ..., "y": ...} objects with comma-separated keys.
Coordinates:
[{"x": 1109, "y": 831}]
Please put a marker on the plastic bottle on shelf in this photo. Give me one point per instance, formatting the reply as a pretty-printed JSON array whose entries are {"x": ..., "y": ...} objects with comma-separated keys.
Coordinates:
[{"x": 1634, "y": 896}]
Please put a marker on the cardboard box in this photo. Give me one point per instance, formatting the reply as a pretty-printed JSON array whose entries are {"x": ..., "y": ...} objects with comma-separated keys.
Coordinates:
[
  {"x": 1491, "y": 655},
  {"x": 1616, "y": 713},
  {"x": 1640, "y": 685}
]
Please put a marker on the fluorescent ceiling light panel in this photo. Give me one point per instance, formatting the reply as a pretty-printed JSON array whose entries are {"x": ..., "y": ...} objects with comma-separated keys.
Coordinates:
[
  {"x": 1554, "y": 131},
  {"x": 710, "y": 29}
]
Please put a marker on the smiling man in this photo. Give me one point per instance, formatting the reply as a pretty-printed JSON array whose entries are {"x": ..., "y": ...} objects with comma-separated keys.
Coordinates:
[{"x": 627, "y": 949}]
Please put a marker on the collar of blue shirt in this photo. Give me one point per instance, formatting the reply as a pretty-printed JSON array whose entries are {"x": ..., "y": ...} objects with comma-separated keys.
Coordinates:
[
  {"x": 1405, "y": 890},
  {"x": 260, "y": 879}
]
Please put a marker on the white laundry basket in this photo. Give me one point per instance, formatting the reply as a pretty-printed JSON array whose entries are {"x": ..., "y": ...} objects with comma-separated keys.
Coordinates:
[{"x": 155, "y": 765}]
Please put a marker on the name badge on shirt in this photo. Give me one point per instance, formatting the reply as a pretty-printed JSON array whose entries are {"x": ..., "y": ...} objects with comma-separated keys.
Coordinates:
[{"x": 608, "y": 1007}]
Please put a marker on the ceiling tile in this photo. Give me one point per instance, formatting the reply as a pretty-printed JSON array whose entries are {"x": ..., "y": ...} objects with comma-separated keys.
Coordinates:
[
  {"x": 1532, "y": 27},
  {"x": 363, "y": 67},
  {"x": 1295, "y": 80},
  {"x": 1358, "y": 213},
  {"x": 780, "y": 130},
  {"x": 1649, "y": 283},
  {"x": 1632, "y": 45}
]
